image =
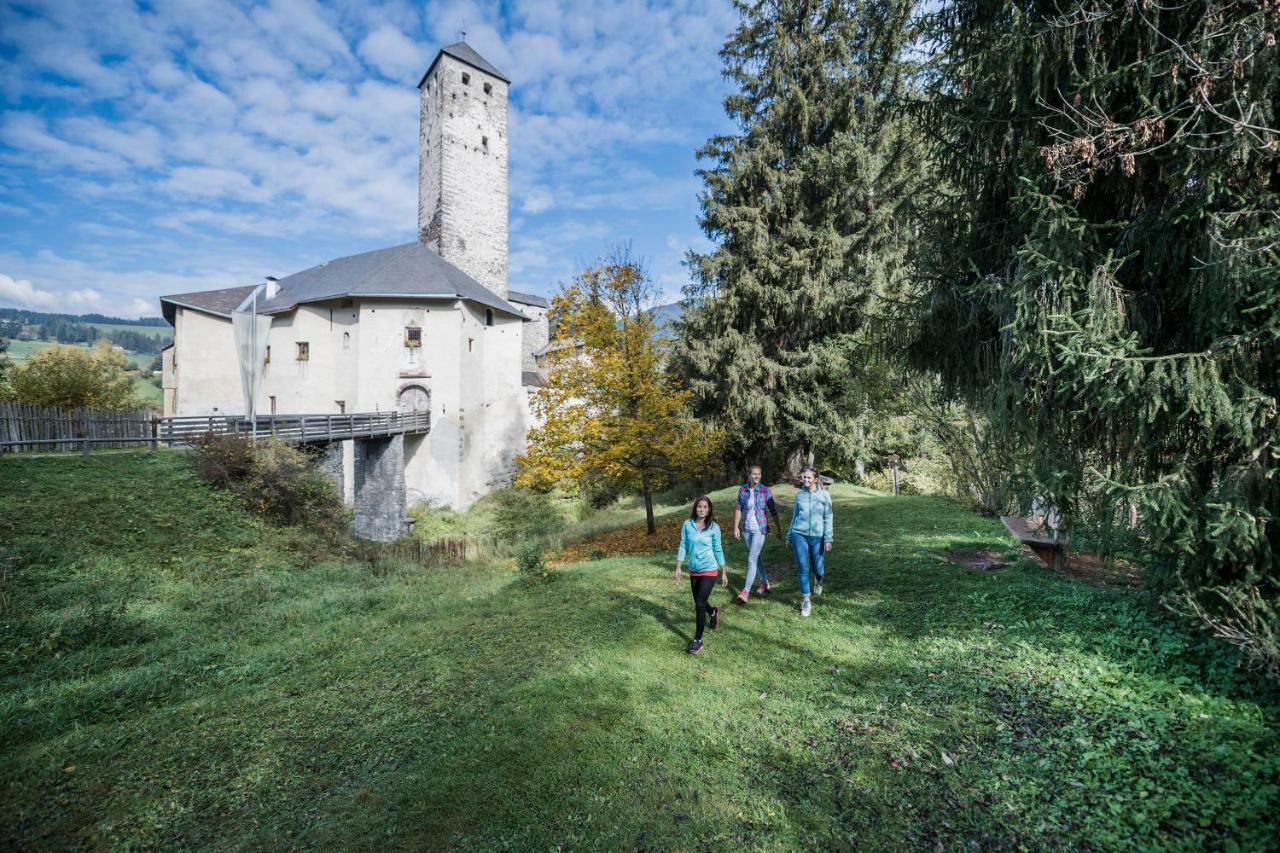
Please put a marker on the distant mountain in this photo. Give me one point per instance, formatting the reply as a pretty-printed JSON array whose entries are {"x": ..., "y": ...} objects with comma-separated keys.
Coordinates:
[{"x": 665, "y": 317}]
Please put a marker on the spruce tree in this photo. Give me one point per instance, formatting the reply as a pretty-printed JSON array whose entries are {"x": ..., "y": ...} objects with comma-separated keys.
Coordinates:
[
  {"x": 1106, "y": 279},
  {"x": 804, "y": 204}
]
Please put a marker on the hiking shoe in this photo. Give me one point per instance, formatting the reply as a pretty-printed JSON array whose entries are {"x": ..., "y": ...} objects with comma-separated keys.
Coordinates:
[
  {"x": 805, "y": 607},
  {"x": 817, "y": 588},
  {"x": 695, "y": 647},
  {"x": 715, "y": 619},
  {"x": 742, "y": 598},
  {"x": 762, "y": 588}
]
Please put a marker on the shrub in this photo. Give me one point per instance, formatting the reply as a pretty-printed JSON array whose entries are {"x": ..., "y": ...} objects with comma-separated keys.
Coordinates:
[
  {"x": 530, "y": 562},
  {"x": 222, "y": 459},
  {"x": 278, "y": 481},
  {"x": 524, "y": 513}
]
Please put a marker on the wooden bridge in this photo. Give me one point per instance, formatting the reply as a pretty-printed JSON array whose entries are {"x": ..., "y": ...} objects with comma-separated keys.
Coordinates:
[{"x": 28, "y": 428}]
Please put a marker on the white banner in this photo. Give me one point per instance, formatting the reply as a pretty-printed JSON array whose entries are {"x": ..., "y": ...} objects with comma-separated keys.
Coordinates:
[{"x": 251, "y": 332}]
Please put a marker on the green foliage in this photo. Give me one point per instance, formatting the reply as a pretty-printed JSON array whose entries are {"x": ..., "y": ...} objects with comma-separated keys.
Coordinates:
[
  {"x": 266, "y": 695},
  {"x": 609, "y": 412},
  {"x": 530, "y": 562},
  {"x": 73, "y": 377},
  {"x": 278, "y": 481},
  {"x": 1106, "y": 275},
  {"x": 526, "y": 514},
  {"x": 805, "y": 203}
]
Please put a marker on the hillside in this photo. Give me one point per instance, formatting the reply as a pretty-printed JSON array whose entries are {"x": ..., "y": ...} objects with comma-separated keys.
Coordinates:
[{"x": 174, "y": 674}]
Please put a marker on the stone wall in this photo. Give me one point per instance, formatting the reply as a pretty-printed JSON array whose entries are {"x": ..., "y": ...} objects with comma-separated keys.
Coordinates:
[
  {"x": 379, "y": 488},
  {"x": 462, "y": 170}
]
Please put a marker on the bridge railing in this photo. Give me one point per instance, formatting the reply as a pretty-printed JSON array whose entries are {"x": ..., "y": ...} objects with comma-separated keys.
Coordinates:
[
  {"x": 26, "y": 428},
  {"x": 299, "y": 428}
]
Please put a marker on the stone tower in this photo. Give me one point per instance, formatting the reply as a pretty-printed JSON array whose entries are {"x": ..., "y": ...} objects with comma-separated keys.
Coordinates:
[{"x": 462, "y": 164}]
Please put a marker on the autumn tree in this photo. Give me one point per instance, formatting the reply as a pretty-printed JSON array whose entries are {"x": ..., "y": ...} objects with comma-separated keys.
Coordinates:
[
  {"x": 609, "y": 410},
  {"x": 74, "y": 377}
]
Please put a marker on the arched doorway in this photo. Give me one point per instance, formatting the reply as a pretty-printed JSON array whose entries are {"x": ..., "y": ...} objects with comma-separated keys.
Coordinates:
[{"x": 414, "y": 398}]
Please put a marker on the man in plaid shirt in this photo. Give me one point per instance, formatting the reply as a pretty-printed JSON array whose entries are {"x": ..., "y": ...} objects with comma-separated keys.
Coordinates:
[{"x": 749, "y": 516}]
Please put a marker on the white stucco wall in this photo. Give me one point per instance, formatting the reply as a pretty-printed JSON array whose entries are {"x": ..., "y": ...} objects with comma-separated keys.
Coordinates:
[
  {"x": 462, "y": 170},
  {"x": 204, "y": 370}
]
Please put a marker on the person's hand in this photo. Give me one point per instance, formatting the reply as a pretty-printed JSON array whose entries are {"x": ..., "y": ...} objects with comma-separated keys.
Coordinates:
[
  {"x": 677, "y": 574},
  {"x": 737, "y": 534},
  {"x": 826, "y": 547},
  {"x": 788, "y": 543},
  {"x": 724, "y": 578}
]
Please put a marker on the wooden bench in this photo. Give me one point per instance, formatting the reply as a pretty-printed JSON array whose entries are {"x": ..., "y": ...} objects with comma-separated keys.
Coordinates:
[{"x": 1050, "y": 547}]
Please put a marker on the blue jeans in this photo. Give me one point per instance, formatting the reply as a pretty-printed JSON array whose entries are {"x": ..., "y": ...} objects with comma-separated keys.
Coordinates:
[
  {"x": 755, "y": 544},
  {"x": 810, "y": 554}
]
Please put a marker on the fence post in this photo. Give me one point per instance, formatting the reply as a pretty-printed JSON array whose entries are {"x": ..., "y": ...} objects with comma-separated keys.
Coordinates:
[{"x": 155, "y": 435}]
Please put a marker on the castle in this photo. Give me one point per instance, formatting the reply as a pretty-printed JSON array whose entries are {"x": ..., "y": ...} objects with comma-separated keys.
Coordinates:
[{"x": 427, "y": 325}]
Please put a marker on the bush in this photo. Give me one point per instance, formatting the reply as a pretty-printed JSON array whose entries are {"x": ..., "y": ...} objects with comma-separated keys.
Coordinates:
[
  {"x": 277, "y": 481},
  {"x": 530, "y": 562},
  {"x": 222, "y": 459},
  {"x": 524, "y": 514}
]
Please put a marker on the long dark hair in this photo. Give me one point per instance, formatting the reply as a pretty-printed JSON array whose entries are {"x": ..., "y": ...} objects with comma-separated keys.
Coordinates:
[{"x": 711, "y": 512}]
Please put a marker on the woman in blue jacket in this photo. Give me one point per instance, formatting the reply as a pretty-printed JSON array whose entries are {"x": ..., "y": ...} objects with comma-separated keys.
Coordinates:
[
  {"x": 810, "y": 534},
  {"x": 700, "y": 545}
]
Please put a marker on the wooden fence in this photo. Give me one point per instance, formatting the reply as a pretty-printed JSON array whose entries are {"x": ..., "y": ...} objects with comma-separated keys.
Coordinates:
[{"x": 24, "y": 427}]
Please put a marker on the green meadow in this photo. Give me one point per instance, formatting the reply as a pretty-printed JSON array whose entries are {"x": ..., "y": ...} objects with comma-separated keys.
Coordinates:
[{"x": 174, "y": 673}]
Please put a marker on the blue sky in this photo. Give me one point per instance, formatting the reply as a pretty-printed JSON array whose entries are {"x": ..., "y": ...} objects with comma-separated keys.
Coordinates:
[{"x": 162, "y": 147}]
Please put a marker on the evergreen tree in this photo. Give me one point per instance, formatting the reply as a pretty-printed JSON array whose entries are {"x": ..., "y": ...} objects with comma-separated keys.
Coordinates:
[
  {"x": 804, "y": 203},
  {"x": 1106, "y": 279}
]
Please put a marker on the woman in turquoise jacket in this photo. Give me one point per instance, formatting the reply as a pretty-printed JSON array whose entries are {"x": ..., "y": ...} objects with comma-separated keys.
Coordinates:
[
  {"x": 700, "y": 545},
  {"x": 810, "y": 534}
]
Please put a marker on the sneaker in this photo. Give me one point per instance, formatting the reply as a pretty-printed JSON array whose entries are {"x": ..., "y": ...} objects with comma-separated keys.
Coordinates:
[
  {"x": 742, "y": 598},
  {"x": 805, "y": 607},
  {"x": 762, "y": 588},
  {"x": 715, "y": 619},
  {"x": 817, "y": 588},
  {"x": 695, "y": 647}
]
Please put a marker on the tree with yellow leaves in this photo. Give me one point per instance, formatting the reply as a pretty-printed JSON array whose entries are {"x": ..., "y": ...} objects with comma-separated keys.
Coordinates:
[
  {"x": 609, "y": 409},
  {"x": 74, "y": 377}
]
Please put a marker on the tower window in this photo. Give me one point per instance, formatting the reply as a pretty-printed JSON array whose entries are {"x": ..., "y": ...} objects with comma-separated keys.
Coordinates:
[
  {"x": 466, "y": 79},
  {"x": 304, "y": 351},
  {"x": 266, "y": 359},
  {"x": 413, "y": 337},
  {"x": 488, "y": 88},
  {"x": 488, "y": 316},
  {"x": 484, "y": 140},
  {"x": 273, "y": 404},
  {"x": 471, "y": 343},
  {"x": 346, "y": 340}
]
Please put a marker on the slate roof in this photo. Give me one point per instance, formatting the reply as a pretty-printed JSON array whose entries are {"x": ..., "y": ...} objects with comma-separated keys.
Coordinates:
[
  {"x": 219, "y": 302},
  {"x": 527, "y": 299},
  {"x": 464, "y": 52},
  {"x": 411, "y": 270}
]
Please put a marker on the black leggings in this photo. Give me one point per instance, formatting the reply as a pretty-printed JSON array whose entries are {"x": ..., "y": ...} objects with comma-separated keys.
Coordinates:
[{"x": 701, "y": 587}]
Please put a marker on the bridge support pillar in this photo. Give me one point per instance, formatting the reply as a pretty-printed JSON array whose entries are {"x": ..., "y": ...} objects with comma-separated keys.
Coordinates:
[{"x": 380, "y": 500}]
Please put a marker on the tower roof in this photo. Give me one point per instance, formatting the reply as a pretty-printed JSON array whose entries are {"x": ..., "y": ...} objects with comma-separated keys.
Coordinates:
[{"x": 465, "y": 53}]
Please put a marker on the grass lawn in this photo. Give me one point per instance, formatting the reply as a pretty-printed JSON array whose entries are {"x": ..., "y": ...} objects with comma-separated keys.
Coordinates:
[
  {"x": 175, "y": 674},
  {"x": 20, "y": 351}
]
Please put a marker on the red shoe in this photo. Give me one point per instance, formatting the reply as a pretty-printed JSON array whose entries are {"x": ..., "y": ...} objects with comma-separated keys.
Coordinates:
[
  {"x": 762, "y": 588},
  {"x": 742, "y": 598},
  {"x": 715, "y": 619}
]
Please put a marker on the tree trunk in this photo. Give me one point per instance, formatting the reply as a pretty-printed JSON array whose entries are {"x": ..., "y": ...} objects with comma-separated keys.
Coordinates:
[
  {"x": 796, "y": 461},
  {"x": 648, "y": 511}
]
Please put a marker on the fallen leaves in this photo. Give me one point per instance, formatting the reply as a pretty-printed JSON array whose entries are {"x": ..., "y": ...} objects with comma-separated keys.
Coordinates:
[{"x": 625, "y": 542}]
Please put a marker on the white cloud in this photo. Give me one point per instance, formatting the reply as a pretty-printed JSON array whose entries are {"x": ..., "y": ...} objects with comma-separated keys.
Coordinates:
[
  {"x": 393, "y": 54},
  {"x": 24, "y": 294},
  {"x": 256, "y": 140}
]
